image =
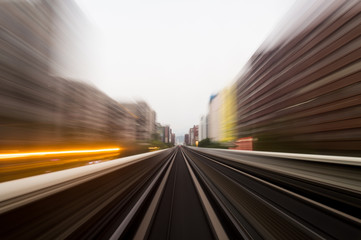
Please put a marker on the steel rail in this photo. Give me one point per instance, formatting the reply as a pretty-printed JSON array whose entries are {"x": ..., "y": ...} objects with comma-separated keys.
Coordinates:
[
  {"x": 320, "y": 209},
  {"x": 19, "y": 192},
  {"x": 121, "y": 228},
  {"x": 212, "y": 216}
]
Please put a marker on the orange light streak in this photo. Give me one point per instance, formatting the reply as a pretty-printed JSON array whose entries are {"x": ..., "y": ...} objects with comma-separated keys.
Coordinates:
[{"x": 31, "y": 154}]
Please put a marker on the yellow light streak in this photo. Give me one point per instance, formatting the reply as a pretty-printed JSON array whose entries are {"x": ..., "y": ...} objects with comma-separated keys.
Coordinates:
[
  {"x": 32, "y": 154},
  {"x": 153, "y": 148}
]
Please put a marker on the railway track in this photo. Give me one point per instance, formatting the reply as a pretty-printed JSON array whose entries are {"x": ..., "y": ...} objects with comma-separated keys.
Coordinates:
[
  {"x": 94, "y": 208},
  {"x": 191, "y": 193},
  {"x": 269, "y": 205}
]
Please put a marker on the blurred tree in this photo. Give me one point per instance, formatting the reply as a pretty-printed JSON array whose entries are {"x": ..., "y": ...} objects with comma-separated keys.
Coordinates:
[
  {"x": 207, "y": 143},
  {"x": 155, "y": 136}
]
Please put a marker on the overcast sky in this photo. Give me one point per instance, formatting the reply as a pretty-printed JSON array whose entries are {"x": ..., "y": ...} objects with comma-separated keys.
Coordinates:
[{"x": 175, "y": 54}]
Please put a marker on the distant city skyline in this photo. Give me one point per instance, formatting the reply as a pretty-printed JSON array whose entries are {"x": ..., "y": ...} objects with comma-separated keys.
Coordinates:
[{"x": 175, "y": 54}]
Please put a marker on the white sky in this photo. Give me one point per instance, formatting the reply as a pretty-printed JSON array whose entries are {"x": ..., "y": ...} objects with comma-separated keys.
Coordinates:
[{"x": 175, "y": 54}]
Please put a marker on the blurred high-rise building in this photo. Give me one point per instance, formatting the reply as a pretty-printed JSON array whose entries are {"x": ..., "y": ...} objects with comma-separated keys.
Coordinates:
[
  {"x": 228, "y": 114},
  {"x": 191, "y": 136},
  {"x": 173, "y": 139},
  {"x": 186, "y": 139},
  {"x": 160, "y": 132},
  {"x": 170, "y": 135},
  {"x": 300, "y": 91},
  {"x": 145, "y": 120},
  {"x": 43, "y": 49},
  {"x": 196, "y": 134},
  {"x": 214, "y": 117},
  {"x": 166, "y": 134},
  {"x": 203, "y": 128},
  {"x": 153, "y": 122}
]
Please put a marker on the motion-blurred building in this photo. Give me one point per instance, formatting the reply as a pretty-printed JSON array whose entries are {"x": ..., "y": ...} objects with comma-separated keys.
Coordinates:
[
  {"x": 144, "y": 120},
  {"x": 220, "y": 122},
  {"x": 160, "y": 132},
  {"x": 84, "y": 113},
  {"x": 42, "y": 51},
  {"x": 214, "y": 117},
  {"x": 193, "y": 135},
  {"x": 186, "y": 139},
  {"x": 196, "y": 135},
  {"x": 166, "y": 134},
  {"x": 300, "y": 91},
  {"x": 203, "y": 128},
  {"x": 173, "y": 139},
  {"x": 228, "y": 114},
  {"x": 34, "y": 96}
]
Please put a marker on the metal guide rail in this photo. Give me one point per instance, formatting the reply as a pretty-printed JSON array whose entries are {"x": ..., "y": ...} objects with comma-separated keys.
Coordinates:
[
  {"x": 279, "y": 195},
  {"x": 81, "y": 203}
]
